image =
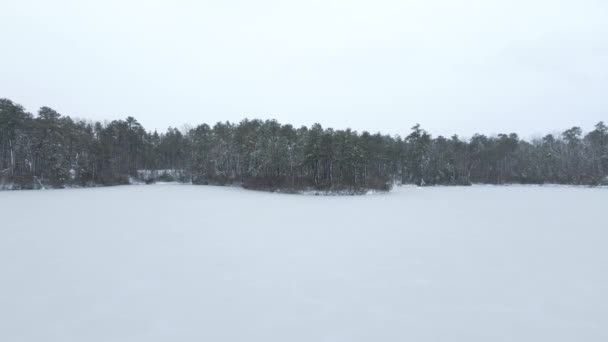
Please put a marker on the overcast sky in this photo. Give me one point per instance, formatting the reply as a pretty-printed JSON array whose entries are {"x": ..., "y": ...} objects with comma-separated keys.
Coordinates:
[{"x": 455, "y": 66}]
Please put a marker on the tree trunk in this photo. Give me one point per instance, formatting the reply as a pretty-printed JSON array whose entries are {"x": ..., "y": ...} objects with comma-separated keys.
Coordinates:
[{"x": 10, "y": 144}]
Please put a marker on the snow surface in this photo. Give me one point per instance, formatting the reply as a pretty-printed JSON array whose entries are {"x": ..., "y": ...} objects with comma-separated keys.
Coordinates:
[{"x": 203, "y": 263}]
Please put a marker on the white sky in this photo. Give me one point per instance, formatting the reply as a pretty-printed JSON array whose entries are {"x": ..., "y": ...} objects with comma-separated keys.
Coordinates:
[{"x": 489, "y": 66}]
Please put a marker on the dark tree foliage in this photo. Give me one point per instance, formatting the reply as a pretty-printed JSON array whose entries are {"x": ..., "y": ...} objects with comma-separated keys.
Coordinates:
[{"x": 50, "y": 150}]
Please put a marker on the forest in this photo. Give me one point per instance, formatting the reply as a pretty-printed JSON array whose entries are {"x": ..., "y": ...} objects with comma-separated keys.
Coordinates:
[{"x": 49, "y": 150}]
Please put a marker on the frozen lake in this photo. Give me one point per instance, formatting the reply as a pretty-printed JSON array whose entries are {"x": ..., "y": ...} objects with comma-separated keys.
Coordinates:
[{"x": 201, "y": 263}]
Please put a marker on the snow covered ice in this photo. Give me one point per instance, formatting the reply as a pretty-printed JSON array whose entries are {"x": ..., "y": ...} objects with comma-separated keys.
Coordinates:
[{"x": 202, "y": 263}]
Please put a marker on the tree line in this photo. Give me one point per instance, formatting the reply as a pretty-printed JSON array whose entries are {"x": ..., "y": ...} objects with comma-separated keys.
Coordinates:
[{"x": 51, "y": 150}]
